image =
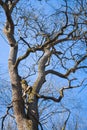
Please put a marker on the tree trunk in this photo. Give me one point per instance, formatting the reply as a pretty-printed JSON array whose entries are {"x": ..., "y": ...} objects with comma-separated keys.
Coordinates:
[
  {"x": 26, "y": 118},
  {"x": 18, "y": 104},
  {"x": 32, "y": 112}
]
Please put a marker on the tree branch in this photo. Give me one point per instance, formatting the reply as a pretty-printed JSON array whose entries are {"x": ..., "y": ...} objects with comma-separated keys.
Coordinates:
[
  {"x": 69, "y": 37},
  {"x": 9, "y": 28},
  {"x": 76, "y": 66},
  {"x": 61, "y": 92},
  {"x": 69, "y": 71},
  {"x": 51, "y": 43},
  {"x": 7, "y": 113},
  {"x": 55, "y": 73},
  {"x": 25, "y": 42},
  {"x": 65, "y": 123},
  {"x": 22, "y": 57},
  {"x": 29, "y": 50},
  {"x": 14, "y": 3},
  {"x": 50, "y": 98}
]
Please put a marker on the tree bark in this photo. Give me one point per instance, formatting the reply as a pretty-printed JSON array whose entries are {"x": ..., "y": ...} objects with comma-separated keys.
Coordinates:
[
  {"x": 18, "y": 103},
  {"x": 32, "y": 113}
]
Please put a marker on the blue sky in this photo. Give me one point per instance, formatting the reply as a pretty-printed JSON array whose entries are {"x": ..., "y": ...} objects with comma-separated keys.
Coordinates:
[{"x": 4, "y": 52}]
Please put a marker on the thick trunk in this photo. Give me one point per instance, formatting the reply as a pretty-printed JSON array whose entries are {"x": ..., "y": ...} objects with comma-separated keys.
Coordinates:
[
  {"x": 26, "y": 115},
  {"x": 32, "y": 113},
  {"x": 18, "y": 104}
]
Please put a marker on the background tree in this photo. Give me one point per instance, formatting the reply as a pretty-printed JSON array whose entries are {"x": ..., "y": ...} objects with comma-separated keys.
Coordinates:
[{"x": 50, "y": 43}]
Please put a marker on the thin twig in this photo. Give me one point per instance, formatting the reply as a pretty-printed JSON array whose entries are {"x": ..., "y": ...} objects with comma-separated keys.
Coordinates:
[{"x": 7, "y": 113}]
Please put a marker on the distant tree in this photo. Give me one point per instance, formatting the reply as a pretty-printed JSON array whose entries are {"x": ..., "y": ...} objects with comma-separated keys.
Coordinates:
[{"x": 47, "y": 43}]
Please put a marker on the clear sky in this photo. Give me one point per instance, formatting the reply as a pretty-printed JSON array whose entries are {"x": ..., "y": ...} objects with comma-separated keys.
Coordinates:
[
  {"x": 4, "y": 53},
  {"x": 4, "y": 50}
]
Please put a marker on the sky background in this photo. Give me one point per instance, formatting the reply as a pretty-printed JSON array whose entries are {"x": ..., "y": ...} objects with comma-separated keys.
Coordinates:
[
  {"x": 80, "y": 96},
  {"x": 4, "y": 52}
]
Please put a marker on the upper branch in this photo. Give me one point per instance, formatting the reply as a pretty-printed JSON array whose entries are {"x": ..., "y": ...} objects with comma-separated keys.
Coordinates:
[
  {"x": 76, "y": 66},
  {"x": 61, "y": 92},
  {"x": 21, "y": 58},
  {"x": 25, "y": 42},
  {"x": 69, "y": 71},
  {"x": 55, "y": 73},
  {"x": 29, "y": 50},
  {"x": 50, "y": 98},
  {"x": 11, "y": 4},
  {"x": 14, "y": 3},
  {"x": 9, "y": 27},
  {"x": 8, "y": 8},
  {"x": 41, "y": 70},
  {"x": 68, "y": 116},
  {"x": 52, "y": 42},
  {"x": 7, "y": 113}
]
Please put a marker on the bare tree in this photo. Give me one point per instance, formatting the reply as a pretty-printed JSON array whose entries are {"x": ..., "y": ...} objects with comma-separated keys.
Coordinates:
[{"x": 56, "y": 40}]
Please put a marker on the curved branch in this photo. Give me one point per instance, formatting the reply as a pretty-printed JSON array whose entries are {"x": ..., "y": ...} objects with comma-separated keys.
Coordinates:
[
  {"x": 76, "y": 66},
  {"x": 69, "y": 37},
  {"x": 69, "y": 71},
  {"x": 60, "y": 97},
  {"x": 55, "y": 73},
  {"x": 29, "y": 50},
  {"x": 9, "y": 27},
  {"x": 61, "y": 92},
  {"x": 50, "y": 98},
  {"x": 21, "y": 58},
  {"x": 7, "y": 113},
  {"x": 41, "y": 70},
  {"x": 66, "y": 121},
  {"x": 39, "y": 48}
]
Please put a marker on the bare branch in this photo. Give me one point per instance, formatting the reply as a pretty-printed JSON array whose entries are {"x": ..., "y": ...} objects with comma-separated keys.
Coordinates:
[
  {"x": 81, "y": 67},
  {"x": 69, "y": 71},
  {"x": 61, "y": 92},
  {"x": 14, "y": 3},
  {"x": 49, "y": 98},
  {"x": 7, "y": 113},
  {"x": 76, "y": 65},
  {"x": 55, "y": 73},
  {"x": 29, "y": 50},
  {"x": 69, "y": 112},
  {"x": 55, "y": 41},
  {"x": 25, "y": 42},
  {"x": 11, "y": 4},
  {"x": 9, "y": 23},
  {"x": 22, "y": 57}
]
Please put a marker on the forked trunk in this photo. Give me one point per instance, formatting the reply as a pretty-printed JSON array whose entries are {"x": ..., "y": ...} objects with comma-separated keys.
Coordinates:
[
  {"x": 26, "y": 119},
  {"x": 26, "y": 115}
]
